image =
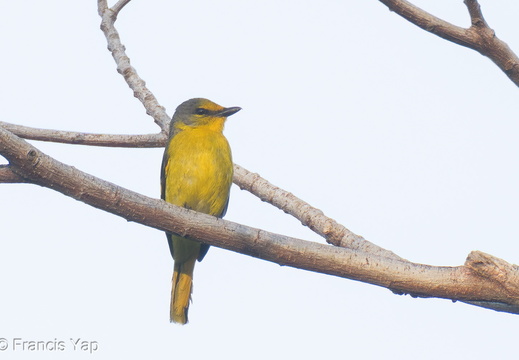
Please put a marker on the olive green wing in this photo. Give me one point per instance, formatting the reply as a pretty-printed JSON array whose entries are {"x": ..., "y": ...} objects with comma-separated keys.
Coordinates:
[{"x": 165, "y": 160}]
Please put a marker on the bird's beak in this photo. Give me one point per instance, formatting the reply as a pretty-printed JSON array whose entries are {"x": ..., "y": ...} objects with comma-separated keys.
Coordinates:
[{"x": 229, "y": 111}]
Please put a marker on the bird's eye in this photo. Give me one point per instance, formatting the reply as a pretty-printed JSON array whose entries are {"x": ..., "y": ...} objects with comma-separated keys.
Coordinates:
[{"x": 201, "y": 111}]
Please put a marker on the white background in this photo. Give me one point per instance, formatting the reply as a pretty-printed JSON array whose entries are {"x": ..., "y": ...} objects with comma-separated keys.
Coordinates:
[{"x": 403, "y": 137}]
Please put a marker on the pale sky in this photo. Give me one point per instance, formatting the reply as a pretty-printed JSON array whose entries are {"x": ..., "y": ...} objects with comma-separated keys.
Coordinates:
[{"x": 402, "y": 137}]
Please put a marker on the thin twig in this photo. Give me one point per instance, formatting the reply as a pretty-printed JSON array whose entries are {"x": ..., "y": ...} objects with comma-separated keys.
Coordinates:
[
  {"x": 80, "y": 138},
  {"x": 332, "y": 231},
  {"x": 118, "y": 7},
  {"x": 140, "y": 91},
  {"x": 476, "y": 16}
]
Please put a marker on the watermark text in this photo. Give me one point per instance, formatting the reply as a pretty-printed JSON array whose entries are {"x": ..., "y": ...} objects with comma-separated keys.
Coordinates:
[{"x": 53, "y": 345}]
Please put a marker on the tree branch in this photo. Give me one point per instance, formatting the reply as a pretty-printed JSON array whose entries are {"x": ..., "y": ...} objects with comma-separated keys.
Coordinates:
[
  {"x": 476, "y": 16},
  {"x": 80, "y": 138},
  {"x": 333, "y": 232},
  {"x": 402, "y": 277},
  {"x": 479, "y": 36},
  {"x": 429, "y": 22},
  {"x": 118, "y": 7},
  {"x": 140, "y": 91}
]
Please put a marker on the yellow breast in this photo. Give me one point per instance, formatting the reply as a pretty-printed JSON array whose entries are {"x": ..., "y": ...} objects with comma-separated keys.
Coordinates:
[{"x": 199, "y": 170}]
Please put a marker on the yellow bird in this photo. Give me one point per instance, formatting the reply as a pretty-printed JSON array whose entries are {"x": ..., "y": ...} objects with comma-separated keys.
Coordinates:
[{"x": 196, "y": 174}]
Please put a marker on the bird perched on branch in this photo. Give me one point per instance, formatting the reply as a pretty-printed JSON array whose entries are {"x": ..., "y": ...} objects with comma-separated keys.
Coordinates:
[{"x": 196, "y": 174}]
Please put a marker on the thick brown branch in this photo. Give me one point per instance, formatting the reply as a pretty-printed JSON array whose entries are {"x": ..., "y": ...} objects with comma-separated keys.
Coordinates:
[
  {"x": 456, "y": 283},
  {"x": 478, "y": 37},
  {"x": 140, "y": 91},
  {"x": 72, "y": 137}
]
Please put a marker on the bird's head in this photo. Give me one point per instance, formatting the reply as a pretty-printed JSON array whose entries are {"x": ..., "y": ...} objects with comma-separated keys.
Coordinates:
[{"x": 200, "y": 112}]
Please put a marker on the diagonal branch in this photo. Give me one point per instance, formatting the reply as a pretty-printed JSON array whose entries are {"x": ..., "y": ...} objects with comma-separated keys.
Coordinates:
[
  {"x": 402, "y": 277},
  {"x": 479, "y": 36},
  {"x": 333, "y": 232},
  {"x": 140, "y": 91}
]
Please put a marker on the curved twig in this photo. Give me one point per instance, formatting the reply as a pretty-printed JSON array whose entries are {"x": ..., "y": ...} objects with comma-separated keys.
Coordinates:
[
  {"x": 479, "y": 36},
  {"x": 118, "y": 7}
]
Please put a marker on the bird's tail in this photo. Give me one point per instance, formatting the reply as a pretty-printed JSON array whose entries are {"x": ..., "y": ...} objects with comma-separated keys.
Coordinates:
[{"x": 182, "y": 286}]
